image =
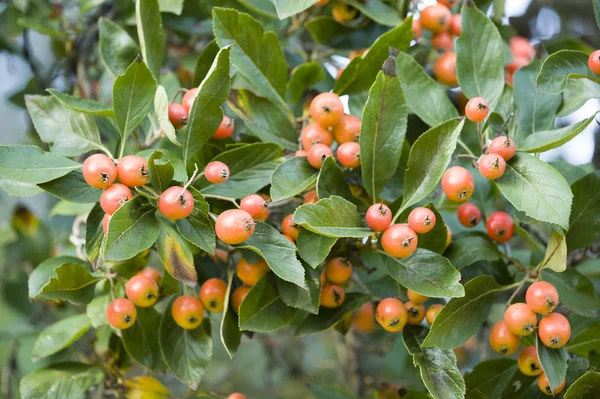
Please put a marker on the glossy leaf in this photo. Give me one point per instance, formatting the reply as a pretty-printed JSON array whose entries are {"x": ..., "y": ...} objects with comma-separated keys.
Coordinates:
[
  {"x": 161, "y": 171},
  {"x": 327, "y": 317},
  {"x": 291, "y": 178},
  {"x": 175, "y": 254},
  {"x": 94, "y": 234},
  {"x": 491, "y": 377},
  {"x": 63, "y": 380},
  {"x": 577, "y": 93},
  {"x": 96, "y": 310},
  {"x": 82, "y": 105},
  {"x": 161, "y": 108},
  {"x": 587, "y": 342},
  {"x": 29, "y": 164},
  {"x": 561, "y": 66},
  {"x": 586, "y": 387},
  {"x": 150, "y": 34},
  {"x": 72, "y": 187},
  {"x": 205, "y": 60},
  {"x": 313, "y": 247},
  {"x": 229, "y": 332},
  {"x": 167, "y": 155},
  {"x": 548, "y": 140},
  {"x": 377, "y": 11},
  {"x": 553, "y": 362},
  {"x": 556, "y": 253},
  {"x": 460, "y": 252},
  {"x": 141, "y": 341},
  {"x": 198, "y": 227},
  {"x": 66, "y": 208},
  {"x": 60, "y": 335},
  {"x": 298, "y": 298},
  {"x": 171, "y": 6},
  {"x": 331, "y": 181},
  {"x": 263, "y": 310},
  {"x": 584, "y": 223},
  {"x": 286, "y": 8},
  {"x": 117, "y": 48},
  {"x": 575, "y": 291},
  {"x": 302, "y": 77},
  {"x": 18, "y": 189}
]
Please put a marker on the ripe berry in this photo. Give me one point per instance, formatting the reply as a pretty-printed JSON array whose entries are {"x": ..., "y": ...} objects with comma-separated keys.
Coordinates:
[
  {"x": 503, "y": 146},
  {"x": 594, "y": 62},
  {"x": 521, "y": 48},
  {"x": 458, "y": 184},
  {"x": 314, "y": 134},
  {"x": 391, "y": 315},
  {"x": 234, "y": 226},
  {"x": 289, "y": 228},
  {"x": 99, "y": 171},
  {"x": 502, "y": 340},
  {"x": 520, "y": 320},
  {"x": 349, "y": 154},
  {"x": 105, "y": 221},
  {"x": 132, "y": 171},
  {"x": 187, "y": 312},
  {"x": 121, "y": 313},
  {"x": 415, "y": 313},
  {"x": 225, "y": 129},
  {"x": 378, "y": 217},
  {"x": 554, "y": 330},
  {"x": 442, "y": 41},
  {"x": 327, "y": 109},
  {"x": 188, "y": 99},
  {"x": 338, "y": 270},
  {"x": 152, "y": 273},
  {"x": 416, "y": 29},
  {"x": 237, "y": 395},
  {"x": 491, "y": 166},
  {"x": 175, "y": 204},
  {"x": 421, "y": 220},
  {"x": 311, "y": 197},
  {"x": 448, "y": 235},
  {"x": 477, "y": 109},
  {"x": 347, "y": 129},
  {"x": 416, "y": 298},
  {"x": 238, "y": 297},
  {"x": 456, "y": 25},
  {"x": 528, "y": 361},
  {"x": 212, "y": 294},
  {"x": 317, "y": 154},
  {"x": 332, "y": 296},
  {"x": 363, "y": 320},
  {"x": 216, "y": 172},
  {"x": 178, "y": 115},
  {"x": 256, "y": 206},
  {"x": 436, "y": 18},
  {"x": 142, "y": 291},
  {"x": 468, "y": 214},
  {"x": 251, "y": 273},
  {"x": 544, "y": 386},
  {"x": 500, "y": 227},
  {"x": 399, "y": 241},
  {"x": 114, "y": 197},
  {"x": 432, "y": 312},
  {"x": 343, "y": 12},
  {"x": 541, "y": 297},
  {"x": 444, "y": 69}
]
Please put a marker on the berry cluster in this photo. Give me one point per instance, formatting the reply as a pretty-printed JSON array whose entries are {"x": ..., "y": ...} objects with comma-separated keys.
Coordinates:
[{"x": 392, "y": 315}]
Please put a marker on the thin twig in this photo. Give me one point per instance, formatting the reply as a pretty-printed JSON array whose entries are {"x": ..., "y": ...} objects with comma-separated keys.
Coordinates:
[{"x": 222, "y": 198}]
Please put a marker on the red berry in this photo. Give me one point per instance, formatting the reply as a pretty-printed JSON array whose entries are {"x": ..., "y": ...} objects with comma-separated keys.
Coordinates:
[
  {"x": 541, "y": 297},
  {"x": 444, "y": 69},
  {"x": 416, "y": 298},
  {"x": 347, "y": 129},
  {"x": 99, "y": 171},
  {"x": 458, "y": 184},
  {"x": 416, "y": 29},
  {"x": 500, "y": 227},
  {"x": 289, "y": 228},
  {"x": 502, "y": 340},
  {"x": 491, "y": 166},
  {"x": 544, "y": 386},
  {"x": 349, "y": 154},
  {"x": 314, "y": 134},
  {"x": 317, "y": 155},
  {"x": 528, "y": 361},
  {"x": 503, "y": 146},
  {"x": 378, "y": 217},
  {"x": 234, "y": 226},
  {"x": 432, "y": 312},
  {"x": 301, "y": 153},
  {"x": 456, "y": 25},
  {"x": 105, "y": 221},
  {"x": 142, "y": 291},
  {"x": 178, "y": 115},
  {"x": 332, "y": 296},
  {"x": 554, "y": 330},
  {"x": 132, "y": 171},
  {"x": 436, "y": 18},
  {"x": 448, "y": 235},
  {"x": 212, "y": 294},
  {"x": 415, "y": 313},
  {"x": 188, "y": 99},
  {"x": 121, "y": 313},
  {"x": 114, "y": 197},
  {"x": 256, "y": 206},
  {"x": 468, "y": 214},
  {"x": 594, "y": 62},
  {"x": 327, "y": 109},
  {"x": 391, "y": 315},
  {"x": 176, "y": 203},
  {"x": 187, "y": 312},
  {"x": 216, "y": 172},
  {"x": 421, "y": 220},
  {"x": 442, "y": 41},
  {"x": 338, "y": 270},
  {"x": 519, "y": 319},
  {"x": 311, "y": 197},
  {"x": 399, "y": 240},
  {"x": 251, "y": 273},
  {"x": 152, "y": 273},
  {"x": 521, "y": 48},
  {"x": 477, "y": 109},
  {"x": 363, "y": 320},
  {"x": 238, "y": 297},
  {"x": 237, "y": 395},
  {"x": 225, "y": 129}
]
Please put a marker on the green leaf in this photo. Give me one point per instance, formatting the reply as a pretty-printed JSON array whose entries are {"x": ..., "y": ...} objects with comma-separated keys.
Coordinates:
[
  {"x": 588, "y": 385},
  {"x": 553, "y": 362},
  {"x": 298, "y": 298},
  {"x": 150, "y": 34},
  {"x": 161, "y": 171},
  {"x": 313, "y": 247},
  {"x": 460, "y": 252},
  {"x": 575, "y": 291},
  {"x": 424, "y": 95},
  {"x": 578, "y": 92},
  {"x": 480, "y": 57},
  {"x": 263, "y": 310},
  {"x": 180, "y": 172},
  {"x": 132, "y": 229},
  {"x": 96, "y": 310},
  {"x": 536, "y": 188},
  {"x": 561, "y": 66},
  {"x": 332, "y": 392},
  {"x": 556, "y": 253},
  {"x": 301, "y": 79},
  {"x": 377, "y": 11},
  {"x": 205, "y": 60},
  {"x": 18, "y": 189},
  {"x": 72, "y": 187},
  {"x": 62, "y": 278},
  {"x": 491, "y": 377},
  {"x": 331, "y": 181},
  {"x": 94, "y": 234},
  {"x": 60, "y": 335},
  {"x": 328, "y": 317},
  {"x": 461, "y": 317},
  {"x": 584, "y": 223},
  {"x": 117, "y": 48},
  {"x": 206, "y": 114},
  {"x": 64, "y": 380},
  {"x": 175, "y": 254},
  {"x": 82, "y": 105},
  {"x": 437, "y": 366},
  {"x": 66, "y": 208},
  {"x": 171, "y": 6},
  {"x": 257, "y": 55},
  {"x": 362, "y": 71},
  {"x": 278, "y": 252},
  {"x": 587, "y": 342},
  {"x": 332, "y": 217},
  {"x": 197, "y": 228},
  {"x": 141, "y": 341},
  {"x": 133, "y": 93},
  {"x": 291, "y": 178},
  {"x": 264, "y": 119},
  {"x": 383, "y": 129},
  {"x": 229, "y": 332},
  {"x": 161, "y": 108},
  {"x": 437, "y": 238},
  {"x": 185, "y": 352},
  {"x": 548, "y": 140},
  {"x": 596, "y": 4},
  {"x": 325, "y": 30},
  {"x": 429, "y": 157},
  {"x": 287, "y": 8},
  {"x": 250, "y": 168}
]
